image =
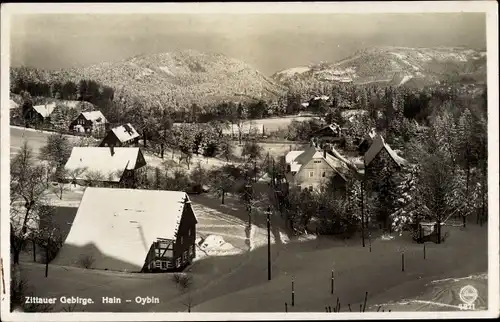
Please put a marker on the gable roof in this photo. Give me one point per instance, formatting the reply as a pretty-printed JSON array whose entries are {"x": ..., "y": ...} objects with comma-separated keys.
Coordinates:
[
  {"x": 99, "y": 159},
  {"x": 125, "y": 132},
  {"x": 291, "y": 156},
  {"x": 13, "y": 104},
  {"x": 121, "y": 225},
  {"x": 45, "y": 110},
  {"x": 306, "y": 155},
  {"x": 339, "y": 164},
  {"x": 94, "y": 116},
  {"x": 378, "y": 144}
]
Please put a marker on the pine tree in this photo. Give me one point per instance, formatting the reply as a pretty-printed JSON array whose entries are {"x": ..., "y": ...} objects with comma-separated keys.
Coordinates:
[{"x": 465, "y": 151}]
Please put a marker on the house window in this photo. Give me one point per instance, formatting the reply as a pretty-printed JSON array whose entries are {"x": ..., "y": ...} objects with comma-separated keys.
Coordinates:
[
  {"x": 169, "y": 264},
  {"x": 317, "y": 161},
  {"x": 163, "y": 265},
  {"x": 311, "y": 174},
  {"x": 324, "y": 174},
  {"x": 157, "y": 264},
  {"x": 163, "y": 245},
  {"x": 191, "y": 250},
  {"x": 178, "y": 262},
  {"x": 184, "y": 256},
  {"x": 182, "y": 240},
  {"x": 189, "y": 232}
]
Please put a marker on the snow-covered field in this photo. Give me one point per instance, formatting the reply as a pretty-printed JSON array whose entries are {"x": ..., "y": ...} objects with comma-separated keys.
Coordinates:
[
  {"x": 238, "y": 282},
  {"x": 269, "y": 124},
  {"x": 443, "y": 295}
]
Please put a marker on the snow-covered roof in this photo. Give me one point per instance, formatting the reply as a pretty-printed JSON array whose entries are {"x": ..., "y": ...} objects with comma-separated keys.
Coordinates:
[
  {"x": 118, "y": 226},
  {"x": 72, "y": 104},
  {"x": 334, "y": 127},
  {"x": 94, "y": 116},
  {"x": 125, "y": 132},
  {"x": 45, "y": 110},
  {"x": 292, "y": 155},
  {"x": 100, "y": 159},
  {"x": 338, "y": 164},
  {"x": 377, "y": 145},
  {"x": 13, "y": 104}
]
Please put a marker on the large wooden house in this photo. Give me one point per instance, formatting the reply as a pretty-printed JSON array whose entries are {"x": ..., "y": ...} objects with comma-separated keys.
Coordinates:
[
  {"x": 314, "y": 167},
  {"x": 92, "y": 122},
  {"x": 121, "y": 136},
  {"x": 109, "y": 166},
  {"x": 131, "y": 230}
]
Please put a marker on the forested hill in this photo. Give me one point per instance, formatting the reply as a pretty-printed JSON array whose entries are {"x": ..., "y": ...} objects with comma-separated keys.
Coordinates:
[
  {"x": 176, "y": 79},
  {"x": 413, "y": 67}
]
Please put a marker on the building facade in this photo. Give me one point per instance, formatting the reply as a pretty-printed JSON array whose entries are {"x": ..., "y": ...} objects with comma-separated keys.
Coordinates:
[
  {"x": 92, "y": 122},
  {"x": 174, "y": 254}
]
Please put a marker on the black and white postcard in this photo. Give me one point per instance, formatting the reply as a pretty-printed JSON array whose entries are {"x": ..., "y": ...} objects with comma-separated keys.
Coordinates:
[{"x": 249, "y": 161}]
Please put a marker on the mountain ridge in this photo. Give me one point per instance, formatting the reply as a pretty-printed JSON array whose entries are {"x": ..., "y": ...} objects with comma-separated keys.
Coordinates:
[
  {"x": 394, "y": 65},
  {"x": 178, "y": 78}
]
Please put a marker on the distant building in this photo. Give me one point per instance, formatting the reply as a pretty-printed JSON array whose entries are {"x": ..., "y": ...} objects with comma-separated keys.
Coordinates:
[
  {"x": 131, "y": 230},
  {"x": 38, "y": 114},
  {"x": 89, "y": 122},
  {"x": 381, "y": 156},
  {"x": 121, "y": 136},
  {"x": 313, "y": 168},
  {"x": 365, "y": 143},
  {"x": 107, "y": 166},
  {"x": 331, "y": 133}
]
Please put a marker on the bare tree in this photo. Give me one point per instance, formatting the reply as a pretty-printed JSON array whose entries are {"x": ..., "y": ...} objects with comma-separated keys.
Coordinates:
[
  {"x": 74, "y": 174},
  {"x": 93, "y": 178},
  {"x": 48, "y": 236},
  {"x": 27, "y": 185}
]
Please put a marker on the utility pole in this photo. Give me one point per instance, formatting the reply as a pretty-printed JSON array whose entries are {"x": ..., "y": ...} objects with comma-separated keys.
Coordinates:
[
  {"x": 268, "y": 212},
  {"x": 273, "y": 177},
  {"x": 255, "y": 170}
]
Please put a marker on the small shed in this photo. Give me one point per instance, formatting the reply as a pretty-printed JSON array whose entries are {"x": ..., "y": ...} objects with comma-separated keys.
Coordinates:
[{"x": 427, "y": 232}]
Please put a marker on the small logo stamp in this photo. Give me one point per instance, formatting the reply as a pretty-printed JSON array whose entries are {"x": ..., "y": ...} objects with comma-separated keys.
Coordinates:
[{"x": 468, "y": 295}]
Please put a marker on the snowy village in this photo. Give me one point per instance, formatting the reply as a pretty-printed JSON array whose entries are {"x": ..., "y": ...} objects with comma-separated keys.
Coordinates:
[{"x": 186, "y": 181}]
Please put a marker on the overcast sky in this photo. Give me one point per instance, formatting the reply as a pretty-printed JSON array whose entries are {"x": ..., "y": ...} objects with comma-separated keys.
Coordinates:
[{"x": 269, "y": 42}]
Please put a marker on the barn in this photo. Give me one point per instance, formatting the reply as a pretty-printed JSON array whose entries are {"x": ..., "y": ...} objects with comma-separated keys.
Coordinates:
[{"x": 131, "y": 230}]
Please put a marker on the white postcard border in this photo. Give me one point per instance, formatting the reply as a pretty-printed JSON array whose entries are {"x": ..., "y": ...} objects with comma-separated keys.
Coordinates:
[{"x": 491, "y": 7}]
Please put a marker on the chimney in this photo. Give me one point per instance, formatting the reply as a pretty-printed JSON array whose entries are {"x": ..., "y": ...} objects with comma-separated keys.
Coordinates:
[{"x": 112, "y": 149}]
